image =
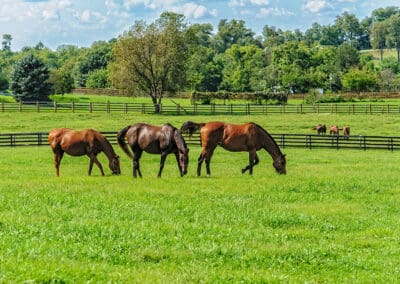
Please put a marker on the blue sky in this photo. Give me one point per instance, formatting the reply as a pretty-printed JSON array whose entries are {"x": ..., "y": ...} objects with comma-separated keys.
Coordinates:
[{"x": 81, "y": 22}]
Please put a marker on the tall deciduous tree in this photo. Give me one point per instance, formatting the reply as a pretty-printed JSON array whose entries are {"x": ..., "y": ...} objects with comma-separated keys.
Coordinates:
[
  {"x": 6, "y": 43},
  {"x": 29, "y": 80},
  {"x": 150, "y": 59},
  {"x": 378, "y": 36}
]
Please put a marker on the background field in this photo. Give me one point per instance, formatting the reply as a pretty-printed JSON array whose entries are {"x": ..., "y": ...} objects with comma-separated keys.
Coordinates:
[{"x": 333, "y": 218}]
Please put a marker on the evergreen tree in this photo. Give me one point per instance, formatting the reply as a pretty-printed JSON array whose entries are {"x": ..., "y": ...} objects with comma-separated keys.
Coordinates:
[{"x": 29, "y": 80}]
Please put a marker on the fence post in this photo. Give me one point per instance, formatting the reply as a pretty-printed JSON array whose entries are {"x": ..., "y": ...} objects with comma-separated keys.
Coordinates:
[
  {"x": 108, "y": 107},
  {"x": 73, "y": 106},
  {"x": 2, "y": 106},
  {"x": 125, "y": 108},
  {"x": 231, "y": 109},
  {"x": 391, "y": 144},
  {"x": 39, "y": 139},
  {"x": 20, "y": 106},
  {"x": 90, "y": 107},
  {"x": 55, "y": 106},
  {"x": 178, "y": 109},
  {"x": 283, "y": 140},
  {"x": 37, "y": 106},
  {"x": 143, "y": 109},
  {"x": 12, "y": 140},
  {"x": 337, "y": 142},
  {"x": 308, "y": 141}
]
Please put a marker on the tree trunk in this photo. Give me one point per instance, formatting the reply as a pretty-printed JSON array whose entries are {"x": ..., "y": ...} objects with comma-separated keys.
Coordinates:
[{"x": 157, "y": 107}]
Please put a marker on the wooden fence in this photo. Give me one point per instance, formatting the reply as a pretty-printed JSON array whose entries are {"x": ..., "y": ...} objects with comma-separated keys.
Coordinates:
[
  {"x": 310, "y": 141},
  {"x": 228, "y": 109}
]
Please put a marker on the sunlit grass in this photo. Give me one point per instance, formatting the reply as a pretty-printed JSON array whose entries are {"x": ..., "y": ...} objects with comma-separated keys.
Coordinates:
[{"x": 333, "y": 217}]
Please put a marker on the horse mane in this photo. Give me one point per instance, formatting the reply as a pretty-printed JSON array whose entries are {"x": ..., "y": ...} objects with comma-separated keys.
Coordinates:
[
  {"x": 270, "y": 137},
  {"x": 180, "y": 141},
  {"x": 108, "y": 148},
  {"x": 176, "y": 135}
]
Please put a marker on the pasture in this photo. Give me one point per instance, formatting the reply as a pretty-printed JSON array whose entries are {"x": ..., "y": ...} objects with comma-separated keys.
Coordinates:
[{"x": 333, "y": 218}]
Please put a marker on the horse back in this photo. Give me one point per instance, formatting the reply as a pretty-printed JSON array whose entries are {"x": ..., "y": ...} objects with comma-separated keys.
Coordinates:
[{"x": 146, "y": 137}]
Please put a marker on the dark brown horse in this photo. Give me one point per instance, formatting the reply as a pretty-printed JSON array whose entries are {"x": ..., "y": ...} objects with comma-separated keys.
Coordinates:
[
  {"x": 164, "y": 139},
  {"x": 85, "y": 142},
  {"x": 346, "y": 132},
  {"x": 321, "y": 129},
  {"x": 248, "y": 137}
]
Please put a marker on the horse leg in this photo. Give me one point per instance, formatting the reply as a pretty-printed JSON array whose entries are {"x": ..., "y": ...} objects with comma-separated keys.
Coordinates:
[
  {"x": 162, "y": 162},
  {"x": 93, "y": 159},
  {"x": 253, "y": 160},
  {"x": 136, "y": 165},
  {"x": 179, "y": 165},
  {"x": 57, "y": 160},
  {"x": 199, "y": 162}
]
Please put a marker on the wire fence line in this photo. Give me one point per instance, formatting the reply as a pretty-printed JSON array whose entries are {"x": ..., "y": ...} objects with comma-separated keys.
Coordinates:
[
  {"x": 194, "y": 109},
  {"x": 309, "y": 141}
]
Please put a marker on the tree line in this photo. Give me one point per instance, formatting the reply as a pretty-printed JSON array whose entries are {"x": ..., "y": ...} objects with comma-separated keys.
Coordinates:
[{"x": 169, "y": 55}]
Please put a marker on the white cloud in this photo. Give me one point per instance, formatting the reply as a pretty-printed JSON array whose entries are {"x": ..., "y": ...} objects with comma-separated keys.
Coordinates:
[
  {"x": 315, "y": 6},
  {"x": 244, "y": 3},
  {"x": 152, "y": 4},
  {"x": 274, "y": 12},
  {"x": 260, "y": 2},
  {"x": 192, "y": 10}
]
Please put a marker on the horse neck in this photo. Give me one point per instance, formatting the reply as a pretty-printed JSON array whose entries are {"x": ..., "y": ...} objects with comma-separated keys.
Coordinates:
[
  {"x": 269, "y": 144},
  {"x": 107, "y": 149},
  {"x": 180, "y": 143}
]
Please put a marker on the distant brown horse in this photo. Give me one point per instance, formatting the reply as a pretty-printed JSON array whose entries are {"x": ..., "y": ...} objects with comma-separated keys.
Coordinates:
[
  {"x": 321, "y": 129},
  {"x": 164, "y": 139},
  {"x": 333, "y": 130},
  {"x": 248, "y": 137},
  {"x": 346, "y": 132},
  {"x": 85, "y": 142}
]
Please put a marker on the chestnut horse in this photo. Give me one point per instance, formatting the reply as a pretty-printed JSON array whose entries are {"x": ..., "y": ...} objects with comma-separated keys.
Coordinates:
[
  {"x": 346, "y": 132},
  {"x": 164, "y": 139},
  {"x": 248, "y": 137},
  {"x": 85, "y": 142},
  {"x": 333, "y": 130}
]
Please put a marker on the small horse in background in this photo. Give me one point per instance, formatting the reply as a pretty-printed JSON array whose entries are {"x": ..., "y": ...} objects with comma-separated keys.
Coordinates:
[
  {"x": 85, "y": 142},
  {"x": 321, "y": 129},
  {"x": 248, "y": 137},
  {"x": 346, "y": 132},
  {"x": 333, "y": 130},
  {"x": 164, "y": 139}
]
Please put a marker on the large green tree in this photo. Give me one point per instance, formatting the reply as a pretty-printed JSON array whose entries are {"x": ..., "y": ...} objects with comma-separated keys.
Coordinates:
[
  {"x": 29, "y": 80},
  {"x": 150, "y": 59}
]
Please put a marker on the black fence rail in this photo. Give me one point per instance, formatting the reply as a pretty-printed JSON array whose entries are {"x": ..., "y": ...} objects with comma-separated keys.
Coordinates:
[
  {"x": 310, "y": 141},
  {"x": 223, "y": 109}
]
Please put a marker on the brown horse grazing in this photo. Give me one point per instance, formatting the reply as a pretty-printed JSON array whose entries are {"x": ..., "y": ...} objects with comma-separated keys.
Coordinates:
[
  {"x": 346, "y": 132},
  {"x": 248, "y": 137},
  {"x": 164, "y": 139},
  {"x": 85, "y": 142},
  {"x": 321, "y": 129},
  {"x": 333, "y": 130}
]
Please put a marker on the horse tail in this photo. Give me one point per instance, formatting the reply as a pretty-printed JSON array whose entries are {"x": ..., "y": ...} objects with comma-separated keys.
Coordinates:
[
  {"x": 121, "y": 141},
  {"x": 191, "y": 127}
]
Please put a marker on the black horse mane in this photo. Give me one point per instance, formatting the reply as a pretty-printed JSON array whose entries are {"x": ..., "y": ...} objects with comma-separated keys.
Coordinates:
[{"x": 269, "y": 135}]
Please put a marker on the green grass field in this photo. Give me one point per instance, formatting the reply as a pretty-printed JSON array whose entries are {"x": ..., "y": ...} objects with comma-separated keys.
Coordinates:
[{"x": 333, "y": 218}]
